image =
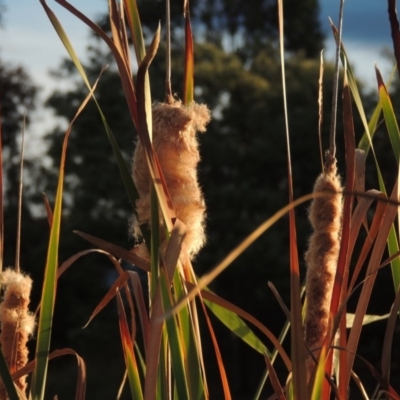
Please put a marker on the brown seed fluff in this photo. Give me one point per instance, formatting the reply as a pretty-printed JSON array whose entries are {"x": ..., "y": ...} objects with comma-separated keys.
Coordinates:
[
  {"x": 321, "y": 258},
  {"x": 174, "y": 139},
  {"x": 17, "y": 323}
]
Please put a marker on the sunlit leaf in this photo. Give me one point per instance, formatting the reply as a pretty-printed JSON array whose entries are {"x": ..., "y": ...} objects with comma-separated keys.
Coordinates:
[
  {"x": 368, "y": 319},
  {"x": 6, "y": 379},
  {"x": 129, "y": 354},
  {"x": 50, "y": 276},
  {"x": 175, "y": 345}
]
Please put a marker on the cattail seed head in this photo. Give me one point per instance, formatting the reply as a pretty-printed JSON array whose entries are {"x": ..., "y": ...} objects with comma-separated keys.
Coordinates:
[
  {"x": 17, "y": 323},
  {"x": 322, "y": 257},
  {"x": 175, "y": 143}
]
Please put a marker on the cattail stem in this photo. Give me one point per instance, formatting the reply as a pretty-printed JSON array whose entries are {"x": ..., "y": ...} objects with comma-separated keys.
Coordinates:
[
  {"x": 168, "y": 89},
  {"x": 322, "y": 256},
  {"x": 17, "y": 323}
]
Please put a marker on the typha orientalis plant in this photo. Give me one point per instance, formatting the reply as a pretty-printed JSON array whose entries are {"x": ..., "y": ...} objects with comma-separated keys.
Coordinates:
[
  {"x": 16, "y": 321},
  {"x": 325, "y": 216},
  {"x": 175, "y": 125}
]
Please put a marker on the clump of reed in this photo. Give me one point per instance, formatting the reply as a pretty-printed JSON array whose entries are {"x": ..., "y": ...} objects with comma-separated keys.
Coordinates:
[
  {"x": 174, "y": 140},
  {"x": 17, "y": 323},
  {"x": 172, "y": 344}
]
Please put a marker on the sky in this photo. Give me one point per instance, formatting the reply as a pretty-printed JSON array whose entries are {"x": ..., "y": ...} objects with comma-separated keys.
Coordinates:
[
  {"x": 28, "y": 39},
  {"x": 366, "y": 32}
]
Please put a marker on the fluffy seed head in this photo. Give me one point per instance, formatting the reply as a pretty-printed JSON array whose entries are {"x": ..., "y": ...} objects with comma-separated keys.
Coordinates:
[
  {"x": 175, "y": 143},
  {"x": 322, "y": 256},
  {"x": 17, "y": 323}
]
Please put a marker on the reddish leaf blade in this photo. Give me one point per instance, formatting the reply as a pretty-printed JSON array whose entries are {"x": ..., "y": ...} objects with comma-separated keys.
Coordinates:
[{"x": 129, "y": 355}]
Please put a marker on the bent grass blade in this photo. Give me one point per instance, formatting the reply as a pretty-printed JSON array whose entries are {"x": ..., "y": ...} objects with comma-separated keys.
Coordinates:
[{"x": 50, "y": 276}]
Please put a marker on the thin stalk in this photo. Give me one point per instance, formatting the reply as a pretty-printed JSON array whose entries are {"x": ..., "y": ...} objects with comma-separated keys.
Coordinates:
[
  {"x": 168, "y": 90},
  {"x": 332, "y": 137},
  {"x": 298, "y": 350},
  {"x": 320, "y": 107},
  {"x": 21, "y": 178},
  {"x": 1, "y": 197}
]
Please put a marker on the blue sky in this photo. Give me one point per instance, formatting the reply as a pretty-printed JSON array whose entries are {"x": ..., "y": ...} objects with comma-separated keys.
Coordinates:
[
  {"x": 364, "y": 20},
  {"x": 366, "y": 32},
  {"x": 28, "y": 37}
]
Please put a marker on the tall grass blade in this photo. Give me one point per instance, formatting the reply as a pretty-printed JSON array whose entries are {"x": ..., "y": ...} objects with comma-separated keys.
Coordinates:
[
  {"x": 21, "y": 184},
  {"x": 127, "y": 255},
  {"x": 388, "y": 340},
  {"x": 285, "y": 330},
  {"x": 175, "y": 344},
  {"x": 238, "y": 327},
  {"x": 49, "y": 211},
  {"x": 123, "y": 68},
  {"x": 186, "y": 319},
  {"x": 297, "y": 343},
  {"x": 319, "y": 375},
  {"x": 320, "y": 107},
  {"x": 365, "y": 141},
  {"x": 145, "y": 135},
  {"x": 126, "y": 83},
  {"x": 274, "y": 379},
  {"x": 221, "y": 367},
  {"x": 368, "y": 319},
  {"x": 332, "y": 134},
  {"x": 174, "y": 248},
  {"x": 370, "y": 128},
  {"x": 232, "y": 310},
  {"x": 140, "y": 50},
  {"x": 129, "y": 354},
  {"x": 354, "y": 87},
  {"x": 81, "y": 380},
  {"x": 1, "y": 197},
  {"x": 111, "y": 293},
  {"x": 191, "y": 344},
  {"x": 169, "y": 98},
  {"x": 153, "y": 350},
  {"x": 154, "y": 245},
  {"x": 394, "y": 27},
  {"x": 50, "y": 277},
  {"x": 136, "y": 29},
  {"x": 394, "y": 135},
  {"x": 372, "y": 269},
  {"x": 118, "y": 31},
  {"x": 282, "y": 335},
  {"x": 366, "y": 144},
  {"x": 342, "y": 273},
  {"x": 188, "y": 77},
  {"x": 390, "y": 117},
  {"x": 359, "y": 215},
  {"x": 71, "y": 260},
  {"x": 6, "y": 378}
]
